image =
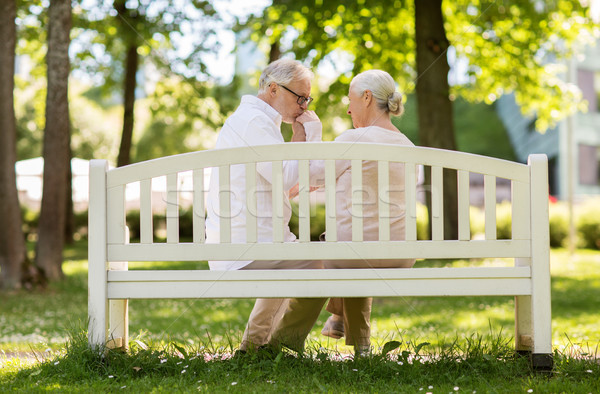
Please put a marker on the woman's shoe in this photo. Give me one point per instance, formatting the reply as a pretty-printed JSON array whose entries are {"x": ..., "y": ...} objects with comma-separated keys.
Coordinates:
[{"x": 334, "y": 327}]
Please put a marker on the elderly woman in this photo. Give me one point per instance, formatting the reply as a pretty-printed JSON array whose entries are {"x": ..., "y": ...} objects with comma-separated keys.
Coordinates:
[{"x": 373, "y": 100}]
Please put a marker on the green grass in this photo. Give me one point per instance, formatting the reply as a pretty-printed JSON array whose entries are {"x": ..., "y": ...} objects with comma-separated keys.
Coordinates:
[{"x": 445, "y": 342}]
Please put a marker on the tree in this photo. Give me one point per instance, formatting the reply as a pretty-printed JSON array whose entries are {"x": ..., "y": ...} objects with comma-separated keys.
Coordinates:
[
  {"x": 144, "y": 33},
  {"x": 126, "y": 19},
  {"x": 433, "y": 91},
  {"x": 56, "y": 142},
  {"x": 12, "y": 242},
  {"x": 508, "y": 45}
]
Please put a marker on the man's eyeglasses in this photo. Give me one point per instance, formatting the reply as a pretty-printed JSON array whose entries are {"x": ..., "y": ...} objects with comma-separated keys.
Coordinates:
[{"x": 301, "y": 99}]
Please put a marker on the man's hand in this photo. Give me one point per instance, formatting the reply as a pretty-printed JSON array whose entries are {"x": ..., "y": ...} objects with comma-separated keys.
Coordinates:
[{"x": 298, "y": 133}]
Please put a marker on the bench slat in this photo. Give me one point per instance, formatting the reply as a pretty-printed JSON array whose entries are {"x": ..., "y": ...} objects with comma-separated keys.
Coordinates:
[
  {"x": 321, "y": 250},
  {"x": 383, "y": 181},
  {"x": 521, "y": 223},
  {"x": 172, "y": 210},
  {"x": 323, "y": 283},
  {"x": 464, "y": 226},
  {"x": 357, "y": 201},
  {"x": 437, "y": 203},
  {"x": 116, "y": 215},
  {"x": 251, "y": 210},
  {"x": 489, "y": 185},
  {"x": 146, "y": 232},
  {"x": 224, "y": 204},
  {"x": 330, "y": 186},
  {"x": 318, "y": 274},
  {"x": 198, "y": 206},
  {"x": 410, "y": 196},
  {"x": 277, "y": 199},
  {"x": 304, "y": 200}
]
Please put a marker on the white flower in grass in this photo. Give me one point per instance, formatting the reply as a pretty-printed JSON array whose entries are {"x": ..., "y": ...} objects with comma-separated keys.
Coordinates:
[
  {"x": 233, "y": 383},
  {"x": 164, "y": 360},
  {"x": 530, "y": 391},
  {"x": 430, "y": 387},
  {"x": 184, "y": 371},
  {"x": 56, "y": 363},
  {"x": 110, "y": 376},
  {"x": 456, "y": 388},
  {"x": 123, "y": 387},
  {"x": 589, "y": 371},
  {"x": 355, "y": 370}
]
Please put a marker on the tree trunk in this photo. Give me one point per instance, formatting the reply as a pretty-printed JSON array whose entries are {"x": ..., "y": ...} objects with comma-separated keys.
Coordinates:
[
  {"x": 56, "y": 143},
  {"x": 436, "y": 123},
  {"x": 12, "y": 242},
  {"x": 69, "y": 214},
  {"x": 275, "y": 52},
  {"x": 131, "y": 66}
]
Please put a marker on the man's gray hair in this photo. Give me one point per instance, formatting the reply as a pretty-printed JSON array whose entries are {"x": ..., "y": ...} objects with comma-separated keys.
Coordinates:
[
  {"x": 383, "y": 87},
  {"x": 282, "y": 72}
]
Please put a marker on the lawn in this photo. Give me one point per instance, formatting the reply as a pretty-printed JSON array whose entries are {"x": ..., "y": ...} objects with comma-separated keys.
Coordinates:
[{"x": 444, "y": 342}]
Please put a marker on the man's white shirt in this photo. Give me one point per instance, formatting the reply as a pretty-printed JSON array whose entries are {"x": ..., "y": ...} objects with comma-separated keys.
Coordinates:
[{"x": 254, "y": 122}]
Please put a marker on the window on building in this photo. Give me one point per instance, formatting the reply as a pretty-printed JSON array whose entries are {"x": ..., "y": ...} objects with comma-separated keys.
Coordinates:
[
  {"x": 597, "y": 88},
  {"x": 589, "y": 83},
  {"x": 589, "y": 164}
]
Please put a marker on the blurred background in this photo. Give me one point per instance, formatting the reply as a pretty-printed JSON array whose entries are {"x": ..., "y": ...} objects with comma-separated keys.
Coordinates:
[{"x": 133, "y": 80}]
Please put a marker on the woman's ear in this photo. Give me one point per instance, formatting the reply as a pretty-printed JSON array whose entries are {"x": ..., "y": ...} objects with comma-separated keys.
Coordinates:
[{"x": 368, "y": 97}]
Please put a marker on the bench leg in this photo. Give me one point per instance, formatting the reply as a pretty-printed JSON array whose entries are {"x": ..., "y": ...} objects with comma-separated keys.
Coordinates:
[
  {"x": 523, "y": 325},
  {"x": 118, "y": 316},
  {"x": 119, "y": 327},
  {"x": 97, "y": 307},
  {"x": 97, "y": 312}
]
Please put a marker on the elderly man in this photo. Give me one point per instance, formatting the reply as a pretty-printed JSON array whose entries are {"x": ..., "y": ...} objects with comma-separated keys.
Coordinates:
[{"x": 284, "y": 95}]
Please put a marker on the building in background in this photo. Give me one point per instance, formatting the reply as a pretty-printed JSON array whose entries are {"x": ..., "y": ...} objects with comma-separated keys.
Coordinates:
[{"x": 581, "y": 132}]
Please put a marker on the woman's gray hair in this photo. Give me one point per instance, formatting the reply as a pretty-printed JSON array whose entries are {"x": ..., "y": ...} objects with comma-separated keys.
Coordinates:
[
  {"x": 383, "y": 87},
  {"x": 282, "y": 72}
]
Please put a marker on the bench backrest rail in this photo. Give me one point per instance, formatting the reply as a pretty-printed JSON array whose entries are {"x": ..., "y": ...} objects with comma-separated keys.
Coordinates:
[{"x": 117, "y": 179}]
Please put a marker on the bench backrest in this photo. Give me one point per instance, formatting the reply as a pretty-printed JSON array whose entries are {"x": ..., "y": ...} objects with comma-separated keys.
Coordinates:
[{"x": 107, "y": 210}]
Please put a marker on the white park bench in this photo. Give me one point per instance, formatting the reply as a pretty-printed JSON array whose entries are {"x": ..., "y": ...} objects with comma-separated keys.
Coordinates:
[{"x": 111, "y": 285}]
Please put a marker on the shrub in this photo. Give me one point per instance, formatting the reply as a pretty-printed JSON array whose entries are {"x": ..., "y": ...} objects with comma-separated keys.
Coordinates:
[
  {"x": 504, "y": 220},
  {"x": 422, "y": 222},
  {"x": 477, "y": 222},
  {"x": 588, "y": 224},
  {"x": 317, "y": 221},
  {"x": 559, "y": 224}
]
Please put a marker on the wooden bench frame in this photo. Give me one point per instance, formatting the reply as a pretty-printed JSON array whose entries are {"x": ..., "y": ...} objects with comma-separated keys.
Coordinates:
[{"x": 111, "y": 285}]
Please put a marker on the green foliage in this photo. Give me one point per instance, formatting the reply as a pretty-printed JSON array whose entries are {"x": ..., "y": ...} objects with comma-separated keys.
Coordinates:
[
  {"x": 317, "y": 221},
  {"x": 507, "y": 45},
  {"x": 478, "y": 128},
  {"x": 588, "y": 224},
  {"x": 559, "y": 224},
  {"x": 183, "y": 119},
  {"x": 503, "y": 220}
]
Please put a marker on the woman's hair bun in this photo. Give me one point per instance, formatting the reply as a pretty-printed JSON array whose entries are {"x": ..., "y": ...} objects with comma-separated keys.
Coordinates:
[{"x": 394, "y": 104}]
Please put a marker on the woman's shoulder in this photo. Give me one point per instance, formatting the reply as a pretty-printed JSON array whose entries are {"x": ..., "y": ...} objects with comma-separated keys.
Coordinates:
[{"x": 374, "y": 134}]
